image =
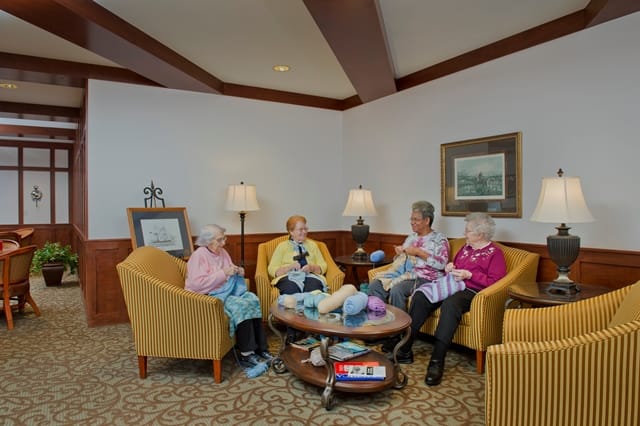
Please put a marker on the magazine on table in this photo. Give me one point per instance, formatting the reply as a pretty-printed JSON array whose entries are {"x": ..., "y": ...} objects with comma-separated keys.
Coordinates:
[
  {"x": 306, "y": 344},
  {"x": 343, "y": 351}
]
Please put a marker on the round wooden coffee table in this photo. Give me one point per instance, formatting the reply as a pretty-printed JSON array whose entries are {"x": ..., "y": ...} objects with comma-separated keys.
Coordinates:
[{"x": 331, "y": 325}]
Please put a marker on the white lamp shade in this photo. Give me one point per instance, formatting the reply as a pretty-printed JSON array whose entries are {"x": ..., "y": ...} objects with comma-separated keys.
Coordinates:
[
  {"x": 242, "y": 198},
  {"x": 360, "y": 203},
  {"x": 561, "y": 201}
]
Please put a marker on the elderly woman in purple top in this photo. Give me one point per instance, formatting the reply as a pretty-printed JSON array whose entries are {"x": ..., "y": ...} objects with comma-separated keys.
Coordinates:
[{"x": 479, "y": 264}]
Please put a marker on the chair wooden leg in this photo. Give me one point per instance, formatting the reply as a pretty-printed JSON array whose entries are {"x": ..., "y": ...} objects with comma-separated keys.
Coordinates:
[
  {"x": 480, "y": 361},
  {"x": 217, "y": 370},
  {"x": 7, "y": 312},
  {"x": 33, "y": 304},
  {"x": 142, "y": 366}
]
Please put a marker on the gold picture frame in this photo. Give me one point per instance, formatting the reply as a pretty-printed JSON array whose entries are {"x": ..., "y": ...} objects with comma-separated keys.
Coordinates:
[
  {"x": 165, "y": 228},
  {"x": 482, "y": 175}
]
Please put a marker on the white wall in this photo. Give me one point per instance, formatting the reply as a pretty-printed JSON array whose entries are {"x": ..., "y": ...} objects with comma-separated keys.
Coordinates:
[
  {"x": 576, "y": 101},
  {"x": 193, "y": 145}
]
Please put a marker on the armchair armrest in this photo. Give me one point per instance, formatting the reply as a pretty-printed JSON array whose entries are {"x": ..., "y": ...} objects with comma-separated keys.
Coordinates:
[{"x": 558, "y": 322}]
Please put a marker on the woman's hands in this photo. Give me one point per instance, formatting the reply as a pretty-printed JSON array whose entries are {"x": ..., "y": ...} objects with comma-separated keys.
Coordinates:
[
  {"x": 295, "y": 266},
  {"x": 233, "y": 269}
]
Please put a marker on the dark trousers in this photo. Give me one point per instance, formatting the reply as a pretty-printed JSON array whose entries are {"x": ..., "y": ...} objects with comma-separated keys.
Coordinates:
[
  {"x": 250, "y": 336},
  {"x": 451, "y": 311},
  {"x": 286, "y": 286}
]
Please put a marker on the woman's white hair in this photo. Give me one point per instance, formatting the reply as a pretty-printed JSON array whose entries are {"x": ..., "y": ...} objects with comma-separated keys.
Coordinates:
[
  {"x": 482, "y": 224},
  {"x": 209, "y": 233}
]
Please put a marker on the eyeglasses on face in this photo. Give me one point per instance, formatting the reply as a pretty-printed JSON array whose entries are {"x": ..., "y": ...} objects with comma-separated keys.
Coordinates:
[{"x": 221, "y": 239}]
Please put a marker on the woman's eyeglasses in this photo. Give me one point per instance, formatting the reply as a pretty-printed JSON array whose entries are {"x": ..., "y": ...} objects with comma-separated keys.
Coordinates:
[{"x": 221, "y": 239}]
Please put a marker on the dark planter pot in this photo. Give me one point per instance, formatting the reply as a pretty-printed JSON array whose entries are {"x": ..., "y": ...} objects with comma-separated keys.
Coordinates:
[{"x": 52, "y": 274}]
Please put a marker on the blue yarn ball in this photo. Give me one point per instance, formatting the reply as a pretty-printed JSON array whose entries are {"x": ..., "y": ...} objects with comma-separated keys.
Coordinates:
[{"x": 376, "y": 256}]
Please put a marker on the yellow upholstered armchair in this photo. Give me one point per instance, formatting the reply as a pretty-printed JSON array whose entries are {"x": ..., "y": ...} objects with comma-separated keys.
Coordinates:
[
  {"x": 482, "y": 325},
  {"x": 167, "y": 320},
  {"x": 573, "y": 364},
  {"x": 268, "y": 293}
]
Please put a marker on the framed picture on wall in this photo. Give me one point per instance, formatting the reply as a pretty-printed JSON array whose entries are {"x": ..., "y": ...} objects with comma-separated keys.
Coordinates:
[
  {"x": 164, "y": 228},
  {"x": 482, "y": 175}
]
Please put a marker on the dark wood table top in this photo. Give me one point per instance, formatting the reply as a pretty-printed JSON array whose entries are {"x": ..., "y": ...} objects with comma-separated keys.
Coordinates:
[
  {"x": 395, "y": 322},
  {"x": 349, "y": 261},
  {"x": 536, "y": 294}
]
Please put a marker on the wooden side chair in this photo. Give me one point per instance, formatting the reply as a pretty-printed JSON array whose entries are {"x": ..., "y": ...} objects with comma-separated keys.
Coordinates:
[{"x": 14, "y": 270}]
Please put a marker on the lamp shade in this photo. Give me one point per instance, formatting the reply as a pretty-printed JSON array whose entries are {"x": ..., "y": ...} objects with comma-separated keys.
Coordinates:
[
  {"x": 242, "y": 198},
  {"x": 360, "y": 203},
  {"x": 561, "y": 201}
]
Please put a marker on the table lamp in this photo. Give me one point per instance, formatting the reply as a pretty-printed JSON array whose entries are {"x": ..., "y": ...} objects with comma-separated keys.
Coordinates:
[
  {"x": 360, "y": 203},
  {"x": 242, "y": 198},
  {"x": 561, "y": 200}
]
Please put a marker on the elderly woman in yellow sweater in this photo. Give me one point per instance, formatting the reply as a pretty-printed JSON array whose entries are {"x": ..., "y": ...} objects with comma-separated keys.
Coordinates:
[{"x": 297, "y": 263}]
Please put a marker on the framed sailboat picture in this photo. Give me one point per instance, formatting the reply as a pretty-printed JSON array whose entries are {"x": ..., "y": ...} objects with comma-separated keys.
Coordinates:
[{"x": 164, "y": 228}]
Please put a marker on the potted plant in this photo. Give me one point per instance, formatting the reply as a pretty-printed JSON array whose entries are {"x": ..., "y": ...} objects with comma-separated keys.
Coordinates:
[{"x": 52, "y": 260}]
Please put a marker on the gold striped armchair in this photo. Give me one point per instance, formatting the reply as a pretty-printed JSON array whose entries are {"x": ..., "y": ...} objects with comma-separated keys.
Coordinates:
[
  {"x": 568, "y": 364},
  {"x": 167, "y": 320},
  {"x": 268, "y": 293},
  {"x": 482, "y": 325}
]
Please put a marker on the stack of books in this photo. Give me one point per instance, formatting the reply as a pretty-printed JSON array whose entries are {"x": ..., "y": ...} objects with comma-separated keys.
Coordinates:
[
  {"x": 356, "y": 371},
  {"x": 343, "y": 351}
]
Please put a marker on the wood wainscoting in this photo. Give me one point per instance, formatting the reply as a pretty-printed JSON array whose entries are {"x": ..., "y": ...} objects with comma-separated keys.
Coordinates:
[{"x": 104, "y": 303}]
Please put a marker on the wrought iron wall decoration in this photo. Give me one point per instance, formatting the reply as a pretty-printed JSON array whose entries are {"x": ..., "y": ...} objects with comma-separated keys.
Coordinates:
[
  {"x": 153, "y": 192},
  {"x": 36, "y": 194}
]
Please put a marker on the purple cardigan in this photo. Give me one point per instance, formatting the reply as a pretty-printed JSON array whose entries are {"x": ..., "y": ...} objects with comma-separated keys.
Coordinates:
[{"x": 486, "y": 264}]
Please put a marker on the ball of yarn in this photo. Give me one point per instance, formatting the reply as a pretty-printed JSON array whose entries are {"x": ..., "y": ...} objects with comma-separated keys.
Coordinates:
[
  {"x": 289, "y": 301},
  {"x": 377, "y": 256},
  {"x": 375, "y": 304},
  {"x": 336, "y": 300},
  {"x": 355, "y": 304}
]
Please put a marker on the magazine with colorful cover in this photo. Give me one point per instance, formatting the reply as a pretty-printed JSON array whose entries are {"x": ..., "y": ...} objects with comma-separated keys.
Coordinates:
[
  {"x": 343, "y": 351},
  {"x": 306, "y": 344}
]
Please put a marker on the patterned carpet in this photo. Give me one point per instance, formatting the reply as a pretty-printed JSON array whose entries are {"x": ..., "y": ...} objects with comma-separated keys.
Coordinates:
[{"x": 57, "y": 371}]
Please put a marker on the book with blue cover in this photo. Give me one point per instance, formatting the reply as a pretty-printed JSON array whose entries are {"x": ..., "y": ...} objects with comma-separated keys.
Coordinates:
[{"x": 343, "y": 351}]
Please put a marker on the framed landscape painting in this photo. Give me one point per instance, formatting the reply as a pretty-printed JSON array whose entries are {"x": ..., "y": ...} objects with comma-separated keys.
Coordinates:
[
  {"x": 482, "y": 175},
  {"x": 164, "y": 228}
]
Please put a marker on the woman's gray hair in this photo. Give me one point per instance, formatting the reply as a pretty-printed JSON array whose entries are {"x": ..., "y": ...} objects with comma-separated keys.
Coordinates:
[
  {"x": 425, "y": 209},
  {"x": 482, "y": 224},
  {"x": 208, "y": 233}
]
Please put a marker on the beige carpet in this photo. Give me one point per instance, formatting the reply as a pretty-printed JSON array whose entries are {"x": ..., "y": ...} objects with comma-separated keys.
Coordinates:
[{"x": 57, "y": 371}]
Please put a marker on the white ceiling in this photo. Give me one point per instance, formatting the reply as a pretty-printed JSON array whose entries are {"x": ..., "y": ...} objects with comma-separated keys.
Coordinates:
[{"x": 238, "y": 41}]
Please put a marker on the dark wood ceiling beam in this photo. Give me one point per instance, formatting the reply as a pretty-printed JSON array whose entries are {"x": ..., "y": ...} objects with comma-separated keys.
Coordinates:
[
  {"x": 272, "y": 95},
  {"x": 355, "y": 33},
  {"x": 94, "y": 28},
  {"x": 600, "y": 11},
  {"x": 524, "y": 40},
  {"x": 45, "y": 110},
  {"x": 12, "y": 130},
  {"x": 63, "y": 73}
]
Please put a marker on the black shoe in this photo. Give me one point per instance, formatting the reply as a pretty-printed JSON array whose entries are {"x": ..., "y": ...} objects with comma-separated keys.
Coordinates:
[
  {"x": 249, "y": 360},
  {"x": 434, "y": 372},
  {"x": 266, "y": 356},
  {"x": 390, "y": 344},
  {"x": 402, "y": 357}
]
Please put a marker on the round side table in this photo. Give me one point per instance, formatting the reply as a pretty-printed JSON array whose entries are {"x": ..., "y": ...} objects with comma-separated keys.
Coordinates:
[
  {"x": 347, "y": 261},
  {"x": 536, "y": 294}
]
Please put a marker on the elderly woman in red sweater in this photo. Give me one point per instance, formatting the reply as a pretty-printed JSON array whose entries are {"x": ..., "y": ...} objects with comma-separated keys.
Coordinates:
[{"x": 478, "y": 264}]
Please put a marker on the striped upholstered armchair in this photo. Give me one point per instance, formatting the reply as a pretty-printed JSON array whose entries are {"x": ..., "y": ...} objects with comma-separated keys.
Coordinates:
[
  {"x": 482, "y": 325},
  {"x": 167, "y": 320},
  {"x": 573, "y": 364},
  {"x": 268, "y": 293}
]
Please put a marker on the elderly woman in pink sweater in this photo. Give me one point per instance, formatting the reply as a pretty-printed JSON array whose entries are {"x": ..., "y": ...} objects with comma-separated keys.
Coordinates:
[{"x": 211, "y": 271}]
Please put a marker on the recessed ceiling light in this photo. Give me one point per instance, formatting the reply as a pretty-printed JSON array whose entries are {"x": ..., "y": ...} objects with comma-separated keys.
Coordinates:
[
  {"x": 281, "y": 68},
  {"x": 8, "y": 86}
]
